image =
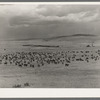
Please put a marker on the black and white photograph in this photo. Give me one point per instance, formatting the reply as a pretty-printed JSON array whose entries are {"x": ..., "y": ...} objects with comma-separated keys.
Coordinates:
[{"x": 45, "y": 45}]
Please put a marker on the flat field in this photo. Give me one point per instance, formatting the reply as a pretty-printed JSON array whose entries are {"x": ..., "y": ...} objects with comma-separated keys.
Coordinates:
[{"x": 79, "y": 74}]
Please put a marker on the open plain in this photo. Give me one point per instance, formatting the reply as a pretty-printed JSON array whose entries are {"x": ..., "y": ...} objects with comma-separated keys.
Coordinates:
[{"x": 51, "y": 67}]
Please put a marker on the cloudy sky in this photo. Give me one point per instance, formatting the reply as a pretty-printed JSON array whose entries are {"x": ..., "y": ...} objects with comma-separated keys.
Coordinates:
[{"x": 23, "y": 21}]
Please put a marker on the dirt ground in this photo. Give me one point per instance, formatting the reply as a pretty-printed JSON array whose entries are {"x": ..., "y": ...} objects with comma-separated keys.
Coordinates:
[{"x": 77, "y": 75}]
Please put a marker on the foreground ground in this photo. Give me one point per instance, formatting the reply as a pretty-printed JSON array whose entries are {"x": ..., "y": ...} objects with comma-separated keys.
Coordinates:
[{"x": 77, "y": 75}]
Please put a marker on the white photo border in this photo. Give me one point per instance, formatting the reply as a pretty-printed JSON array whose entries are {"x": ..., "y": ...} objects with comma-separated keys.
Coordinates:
[{"x": 50, "y": 92}]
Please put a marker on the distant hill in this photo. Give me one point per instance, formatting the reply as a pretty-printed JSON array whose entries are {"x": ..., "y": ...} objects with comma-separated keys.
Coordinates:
[
  {"x": 83, "y": 35},
  {"x": 75, "y": 37}
]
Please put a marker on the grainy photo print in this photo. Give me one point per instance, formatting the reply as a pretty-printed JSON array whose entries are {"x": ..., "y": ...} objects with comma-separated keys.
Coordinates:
[{"x": 49, "y": 45}]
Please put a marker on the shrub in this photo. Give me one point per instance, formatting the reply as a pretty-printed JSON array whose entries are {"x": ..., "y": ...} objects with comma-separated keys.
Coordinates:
[
  {"x": 26, "y": 84},
  {"x": 17, "y": 86}
]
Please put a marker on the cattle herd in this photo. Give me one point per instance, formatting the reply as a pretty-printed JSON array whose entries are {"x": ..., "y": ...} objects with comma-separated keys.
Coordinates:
[{"x": 42, "y": 58}]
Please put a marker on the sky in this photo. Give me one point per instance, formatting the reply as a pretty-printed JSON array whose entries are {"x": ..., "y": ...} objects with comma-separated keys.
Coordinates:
[{"x": 24, "y": 21}]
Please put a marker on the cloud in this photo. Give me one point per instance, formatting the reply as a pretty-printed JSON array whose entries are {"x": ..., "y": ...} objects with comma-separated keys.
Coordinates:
[
  {"x": 87, "y": 16},
  {"x": 34, "y": 14},
  {"x": 83, "y": 16},
  {"x": 35, "y": 20}
]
